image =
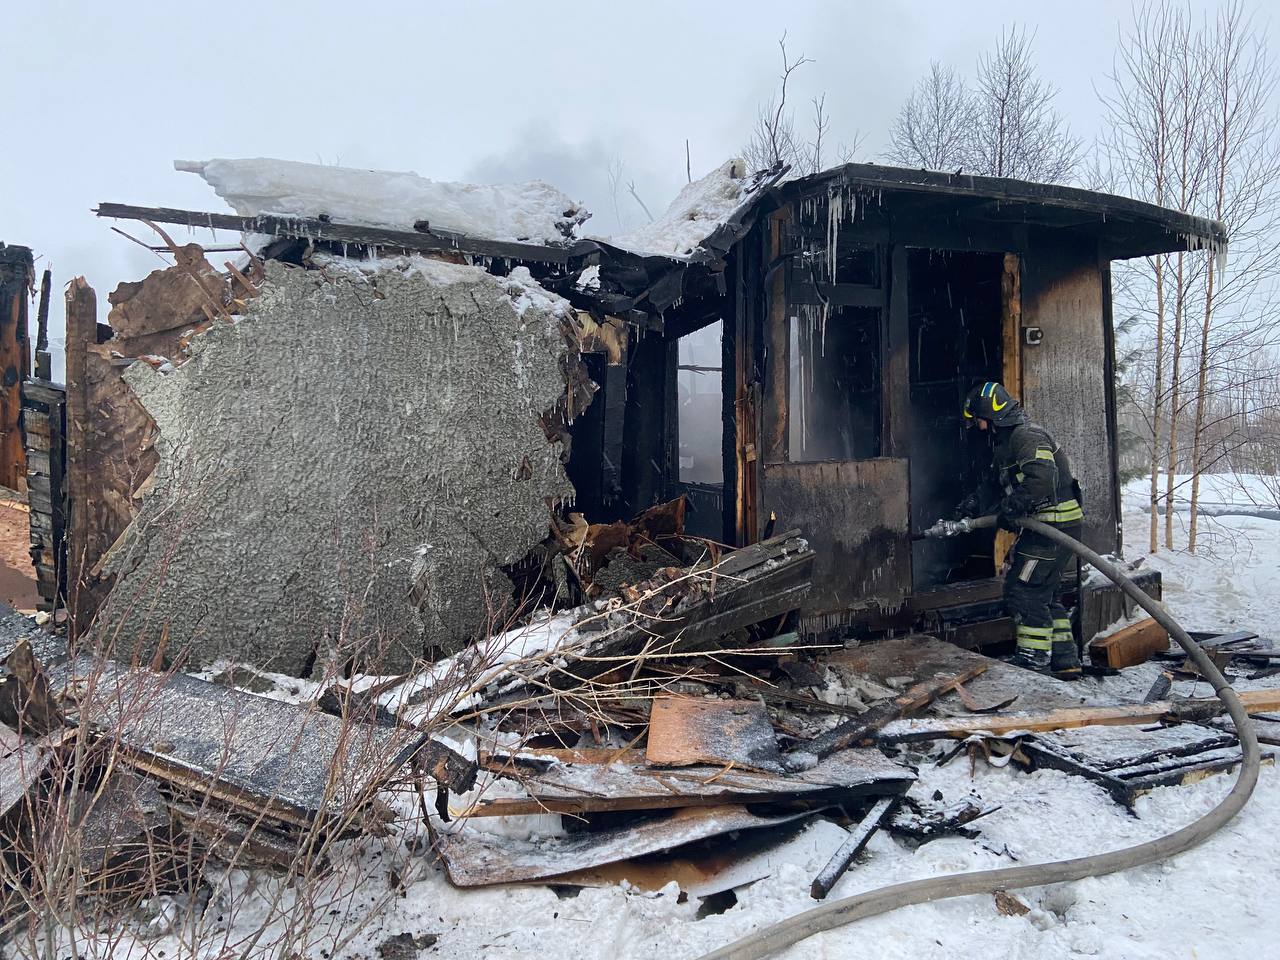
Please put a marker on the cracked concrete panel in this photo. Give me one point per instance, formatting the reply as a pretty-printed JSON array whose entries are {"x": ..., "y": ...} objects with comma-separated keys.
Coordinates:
[{"x": 343, "y": 469}]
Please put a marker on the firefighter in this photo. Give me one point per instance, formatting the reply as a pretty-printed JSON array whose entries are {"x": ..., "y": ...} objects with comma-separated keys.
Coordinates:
[{"x": 1031, "y": 478}]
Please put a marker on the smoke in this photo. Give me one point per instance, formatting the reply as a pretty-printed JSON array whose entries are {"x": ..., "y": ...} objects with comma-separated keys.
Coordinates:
[{"x": 596, "y": 172}]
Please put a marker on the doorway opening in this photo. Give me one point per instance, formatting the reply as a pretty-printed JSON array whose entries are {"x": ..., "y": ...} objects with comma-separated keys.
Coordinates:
[{"x": 955, "y": 313}]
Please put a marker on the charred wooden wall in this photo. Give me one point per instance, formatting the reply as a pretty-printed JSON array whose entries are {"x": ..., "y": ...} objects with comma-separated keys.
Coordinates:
[
  {"x": 110, "y": 441},
  {"x": 1066, "y": 377},
  {"x": 16, "y": 278},
  {"x": 44, "y": 433},
  {"x": 859, "y": 511}
]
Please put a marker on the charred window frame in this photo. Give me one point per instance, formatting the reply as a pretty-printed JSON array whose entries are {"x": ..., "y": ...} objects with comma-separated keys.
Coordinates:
[
  {"x": 835, "y": 344},
  {"x": 700, "y": 400}
]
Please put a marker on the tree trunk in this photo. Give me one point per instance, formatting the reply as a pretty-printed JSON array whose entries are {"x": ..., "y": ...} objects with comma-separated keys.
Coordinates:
[
  {"x": 1175, "y": 398},
  {"x": 1202, "y": 390},
  {"x": 1157, "y": 408}
]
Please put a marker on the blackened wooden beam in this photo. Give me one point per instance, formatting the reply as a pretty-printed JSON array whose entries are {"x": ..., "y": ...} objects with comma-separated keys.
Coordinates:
[
  {"x": 859, "y": 835},
  {"x": 308, "y": 228}
]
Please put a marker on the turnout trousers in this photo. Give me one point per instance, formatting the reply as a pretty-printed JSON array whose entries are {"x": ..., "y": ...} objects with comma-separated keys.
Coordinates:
[{"x": 1036, "y": 565}]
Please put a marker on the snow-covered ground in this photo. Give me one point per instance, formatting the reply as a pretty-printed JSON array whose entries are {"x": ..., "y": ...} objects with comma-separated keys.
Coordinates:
[
  {"x": 1219, "y": 493},
  {"x": 1233, "y": 579},
  {"x": 1217, "y": 901}
]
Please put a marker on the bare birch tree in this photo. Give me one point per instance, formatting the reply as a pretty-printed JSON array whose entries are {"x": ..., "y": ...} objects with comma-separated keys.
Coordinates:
[
  {"x": 1135, "y": 152},
  {"x": 773, "y": 139},
  {"x": 1001, "y": 125},
  {"x": 1190, "y": 128},
  {"x": 1243, "y": 175},
  {"x": 1015, "y": 130},
  {"x": 1187, "y": 176},
  {"x": 933, "y": 128}
]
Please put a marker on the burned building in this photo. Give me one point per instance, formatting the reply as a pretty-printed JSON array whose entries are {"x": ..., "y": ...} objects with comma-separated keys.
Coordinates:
[
  {"x": 855, "y": 309},
  {"x": 344, "y": 437}
]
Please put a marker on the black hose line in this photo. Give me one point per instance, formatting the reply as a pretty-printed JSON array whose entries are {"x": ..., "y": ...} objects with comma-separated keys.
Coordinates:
[{"x": 772, "y": 939}]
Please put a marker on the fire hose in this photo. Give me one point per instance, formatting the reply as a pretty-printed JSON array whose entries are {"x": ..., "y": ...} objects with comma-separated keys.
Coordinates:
[{"x": 779, "y": 936}]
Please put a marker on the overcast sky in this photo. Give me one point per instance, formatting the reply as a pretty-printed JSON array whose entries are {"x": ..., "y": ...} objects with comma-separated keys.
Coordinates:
[{"x": 102, "y": 97}]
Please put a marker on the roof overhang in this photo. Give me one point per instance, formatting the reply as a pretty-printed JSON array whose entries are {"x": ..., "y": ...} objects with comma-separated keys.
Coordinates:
[{"x": 1124, "y": 228}]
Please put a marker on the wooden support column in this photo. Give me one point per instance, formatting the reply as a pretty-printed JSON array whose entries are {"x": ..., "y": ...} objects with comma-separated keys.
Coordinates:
[
  {"x": 16, "y": 275},
  {"x": 1011, "y": 298},
  {"x": 896, "y": 350},
  {"x": 747, "y": 399},
  {"x": 777, "y": 397},
  {"x": 1011, "y": 356},
  {"x": 44, "y": 363},
  {"x": 82, "y": 333}
]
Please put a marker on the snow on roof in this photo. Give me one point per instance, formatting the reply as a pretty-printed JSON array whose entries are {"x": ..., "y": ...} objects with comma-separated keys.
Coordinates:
[
  {"x": 694, "y": 215},
  {"x": 534, "y": 211}
]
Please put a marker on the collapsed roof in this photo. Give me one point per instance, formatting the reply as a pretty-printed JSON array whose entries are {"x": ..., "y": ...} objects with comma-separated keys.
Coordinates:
[
  {"x": 643, "y": 273},
  {"x": 531, "y": 212}
]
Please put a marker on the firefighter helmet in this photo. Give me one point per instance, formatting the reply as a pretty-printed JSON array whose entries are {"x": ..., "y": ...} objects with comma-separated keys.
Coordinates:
[{"x": 992, "y": 402}]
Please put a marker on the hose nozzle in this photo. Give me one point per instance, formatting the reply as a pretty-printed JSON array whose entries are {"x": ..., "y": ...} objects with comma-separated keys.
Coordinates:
[{"x": 947, "y": 528}]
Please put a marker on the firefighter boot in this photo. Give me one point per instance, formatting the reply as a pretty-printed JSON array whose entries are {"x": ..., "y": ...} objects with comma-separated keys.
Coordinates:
[
  {"x": 1030, "y": 658},
  {"x": 1033, "y": 650},
  {"x": 1064, "y": 659}
]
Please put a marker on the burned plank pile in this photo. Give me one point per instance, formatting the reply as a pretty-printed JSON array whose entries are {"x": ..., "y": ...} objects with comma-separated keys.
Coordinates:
[
  {"x": 668, "y": 716},
  {"x": 133, "y": 783}
]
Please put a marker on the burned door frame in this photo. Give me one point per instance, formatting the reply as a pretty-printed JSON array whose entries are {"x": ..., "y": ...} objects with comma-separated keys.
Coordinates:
[{"x": 854, "y": 510}]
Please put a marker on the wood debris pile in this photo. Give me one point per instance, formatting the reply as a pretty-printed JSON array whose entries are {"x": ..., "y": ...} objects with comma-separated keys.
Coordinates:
[{"x": 670, "y": 725}]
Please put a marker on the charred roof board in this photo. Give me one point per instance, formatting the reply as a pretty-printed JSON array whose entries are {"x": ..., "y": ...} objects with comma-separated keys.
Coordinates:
[
  {"x": 306, "y": 228},
  {"x": 1125, "y": 228}
]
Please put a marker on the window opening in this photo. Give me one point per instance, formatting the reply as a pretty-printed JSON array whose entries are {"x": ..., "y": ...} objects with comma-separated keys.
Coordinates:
[{"x": 700, "y": 387}]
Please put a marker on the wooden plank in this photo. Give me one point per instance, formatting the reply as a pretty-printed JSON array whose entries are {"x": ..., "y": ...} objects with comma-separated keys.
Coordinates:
[
  {"x": 778, "y": 360},
  {"x": 856, "y": 514},
  {"x": 1225, "y": 639},
  {"x": 428, "y": 241},
  {"x": 474, "y": 859},
  {"x": 895, "y": 342},
  {"x": 999, "y": 725},
  {"x": 1064, "y": 377},
  {"x": 684, "y": 731},
  {"x": 1131, "y": 645},
  {"x": 291, "y": 762},
  {"x": 866, "y": 729},
  {"x": 16, "y": 275},
  {"x": 81, "y": 333},
  {"x": 859, "y": 836}
]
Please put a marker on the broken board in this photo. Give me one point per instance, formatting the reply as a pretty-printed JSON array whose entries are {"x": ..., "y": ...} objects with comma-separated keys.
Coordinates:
[
  {"x": 293, "y": 763},
  {"x": 904, "y": 661},
  {"x": 604, "y": 780},
  {"x": 475, "y": 859},
  {"x": 1124, "y": 714},
  {"x": 1130, "y": 645},
  {"x": 1129, "y": 761},
  {"x": 684, "y": 731},
  {"x": 719, "y": 864}
]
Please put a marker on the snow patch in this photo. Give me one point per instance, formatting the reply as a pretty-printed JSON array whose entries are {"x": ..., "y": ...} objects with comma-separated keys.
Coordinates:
[
  {"x": 533, "y": 211},
  {"x": 694, "y": 215}
]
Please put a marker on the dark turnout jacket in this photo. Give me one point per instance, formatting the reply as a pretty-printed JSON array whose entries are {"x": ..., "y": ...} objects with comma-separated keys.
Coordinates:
[{"x": 1034, "y": 475}]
